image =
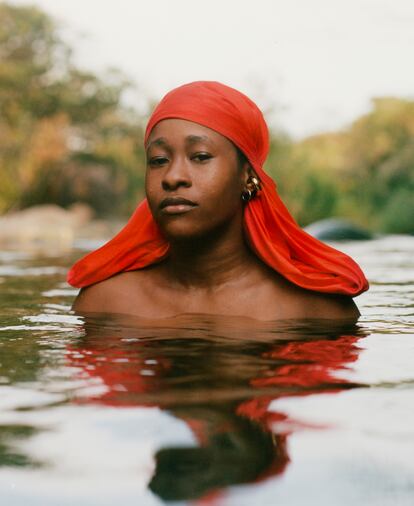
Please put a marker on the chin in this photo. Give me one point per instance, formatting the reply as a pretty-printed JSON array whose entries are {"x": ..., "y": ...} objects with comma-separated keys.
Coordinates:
[
  {"x": 186, "y": 238},
  {"x": 182, "y": 231},
  {"x": 193, "y": 232}
]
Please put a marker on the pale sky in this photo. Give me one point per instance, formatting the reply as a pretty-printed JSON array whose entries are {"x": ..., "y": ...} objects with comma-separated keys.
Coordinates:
[{"x": 316, "y": 63}]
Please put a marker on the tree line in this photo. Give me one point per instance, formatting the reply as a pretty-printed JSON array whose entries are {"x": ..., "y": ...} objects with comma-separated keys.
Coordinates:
[{"x": 66, "y": 136}]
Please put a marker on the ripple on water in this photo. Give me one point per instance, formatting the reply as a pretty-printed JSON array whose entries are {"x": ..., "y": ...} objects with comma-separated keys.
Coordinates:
[{"x": 286, "y": 412}]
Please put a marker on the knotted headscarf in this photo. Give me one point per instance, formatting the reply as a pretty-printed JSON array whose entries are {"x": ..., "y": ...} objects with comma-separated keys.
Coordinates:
[{"x": 270, "y": 230}]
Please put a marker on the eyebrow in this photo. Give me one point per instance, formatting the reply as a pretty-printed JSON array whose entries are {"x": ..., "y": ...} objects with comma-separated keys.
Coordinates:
[
  {"x": 190, "y": 139},
  {"x": 160, "y": 141}
]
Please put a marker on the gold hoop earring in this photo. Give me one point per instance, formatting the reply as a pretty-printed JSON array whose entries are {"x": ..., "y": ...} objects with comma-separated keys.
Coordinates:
[
  {"x": 247, "y": 195},
  {"x": 252, "y": 189}
]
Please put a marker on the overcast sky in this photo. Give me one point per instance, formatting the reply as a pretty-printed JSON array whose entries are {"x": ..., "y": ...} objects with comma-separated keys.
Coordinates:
[{"x": 316, "y": 63}]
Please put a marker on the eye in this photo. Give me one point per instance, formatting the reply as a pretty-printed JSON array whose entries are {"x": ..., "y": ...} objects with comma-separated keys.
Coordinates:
[
  {"x": 201, "y": 157},
  {"x": 157, "y": 161}
]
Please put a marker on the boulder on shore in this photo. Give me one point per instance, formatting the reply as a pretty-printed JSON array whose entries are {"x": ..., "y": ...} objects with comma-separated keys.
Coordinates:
[{"x": 43, "y": 226}]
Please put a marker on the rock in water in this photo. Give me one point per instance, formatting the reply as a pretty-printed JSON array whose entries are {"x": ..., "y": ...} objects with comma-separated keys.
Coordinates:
[{"x": 336, "y": 229}]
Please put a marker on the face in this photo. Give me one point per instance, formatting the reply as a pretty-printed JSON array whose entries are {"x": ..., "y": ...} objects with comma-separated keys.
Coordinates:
[{"x": 194, "y": 179}]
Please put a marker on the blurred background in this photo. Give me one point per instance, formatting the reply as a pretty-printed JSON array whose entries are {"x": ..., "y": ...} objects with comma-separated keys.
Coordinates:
[{"x": 78, "y": 80}]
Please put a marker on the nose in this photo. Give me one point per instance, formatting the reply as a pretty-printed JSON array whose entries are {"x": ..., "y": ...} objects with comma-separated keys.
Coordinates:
[{"x": 176, "y": 175}]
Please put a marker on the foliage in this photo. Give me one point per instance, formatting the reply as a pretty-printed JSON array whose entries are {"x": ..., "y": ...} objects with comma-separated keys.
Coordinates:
[
  {"x": 309, "y": 192},
  {"x": 364, "y": 173},
  {"x": 65, "y": 137}
]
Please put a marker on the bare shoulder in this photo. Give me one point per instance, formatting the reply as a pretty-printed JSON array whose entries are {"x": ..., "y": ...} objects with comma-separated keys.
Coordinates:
[
  {"x": 296, "y": 302},
  {"x": 110, "y": 295},
  {"x": 330, "y": 306}
]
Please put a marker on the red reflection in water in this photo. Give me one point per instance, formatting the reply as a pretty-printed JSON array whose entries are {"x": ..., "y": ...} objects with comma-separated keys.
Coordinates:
[{"x": 241, "y": 440}]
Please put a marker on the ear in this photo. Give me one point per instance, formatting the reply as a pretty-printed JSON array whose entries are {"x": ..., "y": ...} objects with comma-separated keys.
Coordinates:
[{"x": 247, "y": 171}]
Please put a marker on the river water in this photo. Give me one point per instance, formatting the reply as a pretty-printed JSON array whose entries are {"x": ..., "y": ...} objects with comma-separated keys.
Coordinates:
[{"x": 205, "y": 410}]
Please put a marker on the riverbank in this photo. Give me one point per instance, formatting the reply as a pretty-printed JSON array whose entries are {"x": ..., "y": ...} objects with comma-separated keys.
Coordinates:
[{"x": 50, "y": 226}]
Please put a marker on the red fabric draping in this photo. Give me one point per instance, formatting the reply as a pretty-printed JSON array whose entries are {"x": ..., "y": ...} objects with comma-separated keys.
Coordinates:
[{"x": 271, "y": 231}]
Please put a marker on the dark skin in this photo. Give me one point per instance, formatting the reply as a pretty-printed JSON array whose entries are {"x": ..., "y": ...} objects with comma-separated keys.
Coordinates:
[{"x": 210, "y": 268}]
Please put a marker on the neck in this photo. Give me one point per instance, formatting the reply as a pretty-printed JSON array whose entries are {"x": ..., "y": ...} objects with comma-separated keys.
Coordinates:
[{"x": 214, "y": 260}]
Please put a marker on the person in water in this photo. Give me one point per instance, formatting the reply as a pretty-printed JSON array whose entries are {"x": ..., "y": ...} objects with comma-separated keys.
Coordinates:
[{"x": 212, "y": 235}]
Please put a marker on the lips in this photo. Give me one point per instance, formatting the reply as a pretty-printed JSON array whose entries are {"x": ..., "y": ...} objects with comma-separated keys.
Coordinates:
[{"x": 176, "y": 205}]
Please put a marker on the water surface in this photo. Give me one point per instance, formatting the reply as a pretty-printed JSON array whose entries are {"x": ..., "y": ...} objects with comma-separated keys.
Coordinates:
[{"x": 201, "y": 409}]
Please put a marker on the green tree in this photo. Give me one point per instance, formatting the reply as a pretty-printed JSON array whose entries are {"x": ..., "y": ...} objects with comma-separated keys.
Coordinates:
[
  {"x": 380, "y": 164},
  {"x": 65, "y": 137},
  {"x": 364, "y": 173},
  {"x": 64, "y": 134}
]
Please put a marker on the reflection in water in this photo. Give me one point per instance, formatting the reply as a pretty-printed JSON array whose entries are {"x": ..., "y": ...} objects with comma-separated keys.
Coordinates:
[
  {"x": 233, "y": 449},
  {"x": 10, "y": 436},
  {"x": 219, "y": 375}
]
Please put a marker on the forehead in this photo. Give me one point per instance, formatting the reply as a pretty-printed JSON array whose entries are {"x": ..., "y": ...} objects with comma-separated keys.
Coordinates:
[{"x": 179, "y": 130}]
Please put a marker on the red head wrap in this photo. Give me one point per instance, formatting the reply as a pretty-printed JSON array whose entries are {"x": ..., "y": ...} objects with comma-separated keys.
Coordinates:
[{"x": 271, "y": 231}]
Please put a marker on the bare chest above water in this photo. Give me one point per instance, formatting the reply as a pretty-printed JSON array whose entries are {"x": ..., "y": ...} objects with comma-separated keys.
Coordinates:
[{"x": 139, "y": 295}]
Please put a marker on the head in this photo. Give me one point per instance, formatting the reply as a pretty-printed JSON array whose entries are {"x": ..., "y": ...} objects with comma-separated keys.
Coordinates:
[
  {"x": 204, "y": 142},
  {"x": 195, "y": 179},
  {"x": 269, "y": 229}
]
